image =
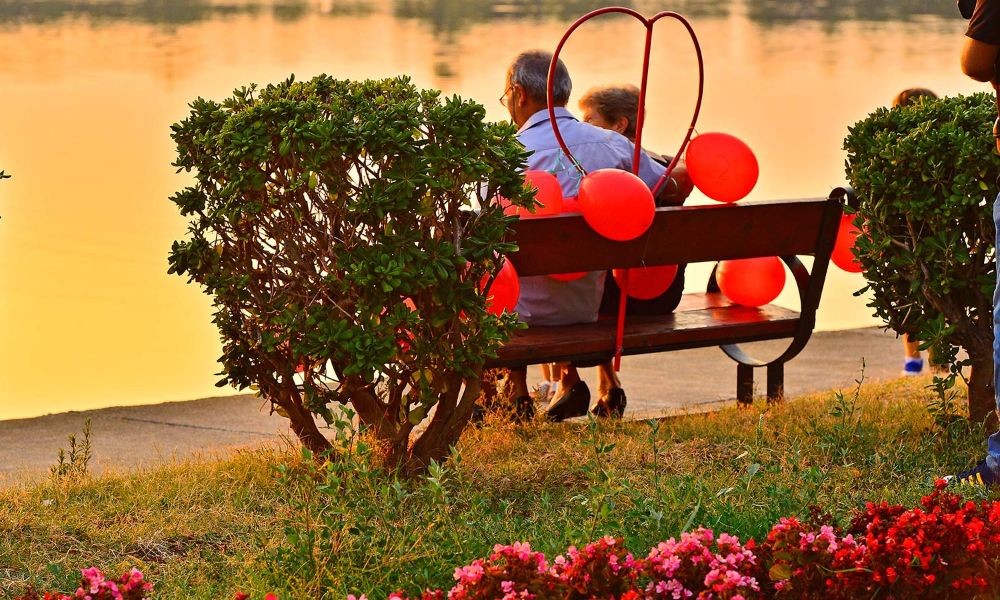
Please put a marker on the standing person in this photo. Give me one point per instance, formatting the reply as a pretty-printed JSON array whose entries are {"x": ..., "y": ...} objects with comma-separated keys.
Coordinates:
[
  {"x": 913, "y": 363},
  {"x": 544, "y": 300},
  {"x": 980, "y": 53},
  {"x": 616, "y": 107}
]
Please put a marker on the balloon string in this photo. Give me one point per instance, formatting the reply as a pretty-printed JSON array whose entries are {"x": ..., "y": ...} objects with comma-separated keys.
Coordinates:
[
  {"x": 641, "y": 117},
  {"x": 620, "y": 333}
]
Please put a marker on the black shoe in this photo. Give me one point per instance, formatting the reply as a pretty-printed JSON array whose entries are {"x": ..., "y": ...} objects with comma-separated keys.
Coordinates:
[
  {"x": 611, "y": 405},
  {"x": 573, "y": 403}
]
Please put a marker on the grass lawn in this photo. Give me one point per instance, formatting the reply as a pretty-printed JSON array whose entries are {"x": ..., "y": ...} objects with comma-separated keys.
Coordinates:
[{"x": 265, "y": 520}]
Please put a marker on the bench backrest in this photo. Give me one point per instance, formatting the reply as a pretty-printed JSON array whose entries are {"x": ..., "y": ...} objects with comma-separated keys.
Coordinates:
[{"x": 681, "y": 234}]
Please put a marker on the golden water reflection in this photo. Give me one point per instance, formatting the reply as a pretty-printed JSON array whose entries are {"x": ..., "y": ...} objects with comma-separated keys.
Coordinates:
[{"x": 88, "y": 90}]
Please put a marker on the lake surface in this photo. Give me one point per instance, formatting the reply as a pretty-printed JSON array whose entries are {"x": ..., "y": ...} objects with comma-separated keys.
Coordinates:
[{"x": 88, "y": 91}]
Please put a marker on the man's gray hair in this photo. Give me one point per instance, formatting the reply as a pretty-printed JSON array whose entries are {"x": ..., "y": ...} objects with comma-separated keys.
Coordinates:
[{"x": 530, "y": 70}]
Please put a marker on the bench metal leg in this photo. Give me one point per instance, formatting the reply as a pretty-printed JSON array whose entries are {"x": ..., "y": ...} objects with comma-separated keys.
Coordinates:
[
  {"x": 776, "y": 382},
  {"x": 744, "y": 384}
]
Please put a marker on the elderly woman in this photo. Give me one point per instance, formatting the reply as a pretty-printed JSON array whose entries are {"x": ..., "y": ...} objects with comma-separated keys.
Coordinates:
[{"x": 616, "y": 107}]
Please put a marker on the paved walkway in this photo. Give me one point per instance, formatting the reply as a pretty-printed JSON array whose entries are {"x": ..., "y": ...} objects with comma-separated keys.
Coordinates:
[{"x": 658, "y": 384}]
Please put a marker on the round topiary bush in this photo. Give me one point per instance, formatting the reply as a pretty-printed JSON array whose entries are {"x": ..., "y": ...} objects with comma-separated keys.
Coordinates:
[
  {"x": 925, "y": 179},
  {"x": 343, "y": 230}
]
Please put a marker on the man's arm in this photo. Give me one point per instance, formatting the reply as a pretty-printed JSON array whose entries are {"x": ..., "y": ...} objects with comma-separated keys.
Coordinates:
[{"x": 979, "y": 60}]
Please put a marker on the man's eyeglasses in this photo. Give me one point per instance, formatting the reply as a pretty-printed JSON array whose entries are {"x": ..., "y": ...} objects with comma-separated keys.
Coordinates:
[{"x": 503, "y": 99}]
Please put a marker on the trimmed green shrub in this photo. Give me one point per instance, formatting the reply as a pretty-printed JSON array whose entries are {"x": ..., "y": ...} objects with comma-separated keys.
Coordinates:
[
  {"x": 343, "y": 230},
  {"x": 925, "y": 177}
]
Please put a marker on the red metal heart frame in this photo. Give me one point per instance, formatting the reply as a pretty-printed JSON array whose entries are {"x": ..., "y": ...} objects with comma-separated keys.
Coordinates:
[{"x": 640, "y": 119}]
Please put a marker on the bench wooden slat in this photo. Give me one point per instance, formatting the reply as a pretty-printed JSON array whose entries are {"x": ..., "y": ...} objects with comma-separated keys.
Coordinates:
[
  {"x": 682, "y": 234},
  {"x": 701, "y": 320}
]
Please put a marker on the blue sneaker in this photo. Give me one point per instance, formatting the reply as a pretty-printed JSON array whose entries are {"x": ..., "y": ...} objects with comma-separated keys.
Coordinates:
[
  {"x": 913, "y": 366},
  {"x": 978, "y": 476}
]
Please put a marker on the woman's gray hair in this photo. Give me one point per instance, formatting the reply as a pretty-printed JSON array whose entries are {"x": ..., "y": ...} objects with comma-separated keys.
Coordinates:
[{"x": 530, "y": 70}]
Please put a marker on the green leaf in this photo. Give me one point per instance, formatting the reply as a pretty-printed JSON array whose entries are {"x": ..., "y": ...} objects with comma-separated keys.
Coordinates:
[{"x": 779, "y": 572}]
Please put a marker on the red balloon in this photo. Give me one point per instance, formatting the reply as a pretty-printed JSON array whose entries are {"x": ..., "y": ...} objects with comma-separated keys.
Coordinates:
[
  {"x": 721, "y": 166},
  {"x": 503, "y": 294},
  {"x": 571, "y": 206},
  {"x": 548, "y": 193},
  {"x": 847, "y": 239},
  {"x": 751, "y": 281},
  {"x": 646, "y": 283},
  {"x": 616, "y": 204}
]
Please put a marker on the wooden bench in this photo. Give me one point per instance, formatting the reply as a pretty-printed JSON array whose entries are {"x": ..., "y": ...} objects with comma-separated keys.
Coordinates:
[{"x": 686, "y": 234}]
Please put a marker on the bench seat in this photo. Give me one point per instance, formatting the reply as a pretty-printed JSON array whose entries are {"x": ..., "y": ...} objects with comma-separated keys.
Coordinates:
[{"x": 707, "y": 319}]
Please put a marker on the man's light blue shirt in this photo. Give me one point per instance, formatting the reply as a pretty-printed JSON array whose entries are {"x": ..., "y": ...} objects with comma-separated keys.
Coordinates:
[
  {"x": 593, "y": 147},
  {"x": 547, "y": 301}
]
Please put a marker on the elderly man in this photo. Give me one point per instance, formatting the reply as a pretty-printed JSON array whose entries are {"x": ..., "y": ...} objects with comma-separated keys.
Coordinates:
[{"x": 544, "y": 300}]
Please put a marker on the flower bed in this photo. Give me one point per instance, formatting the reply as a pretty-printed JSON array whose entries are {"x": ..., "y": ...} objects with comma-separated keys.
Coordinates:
[
  {"x": 946, "y": 548},
  {"x": 95, "y": 586}
]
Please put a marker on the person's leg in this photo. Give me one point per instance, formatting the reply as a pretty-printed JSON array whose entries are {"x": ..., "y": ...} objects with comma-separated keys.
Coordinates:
[
  {"x": 607, "y": 379},
  {"x": 545, "y": 388},
  {"x": 568, "y": 376},
  {"x": 547, "y": 371},
  {"x": 912, "y": 363},
  {"x": 612, "y": 401},
  {"x": 518, "y": 379},
  {"x": 993, "y": 442}
]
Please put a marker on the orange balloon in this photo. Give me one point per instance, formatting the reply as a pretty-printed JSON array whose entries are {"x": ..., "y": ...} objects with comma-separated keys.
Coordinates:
[
  {"x": 616, "y": 204},
  {"x": 503, "y": 294},
  {"x": 843, "y": 249},
  {"x": 751, "y": 281},
  {"x": 646, "y": 283},
  {"x": 721, "y": 166}
]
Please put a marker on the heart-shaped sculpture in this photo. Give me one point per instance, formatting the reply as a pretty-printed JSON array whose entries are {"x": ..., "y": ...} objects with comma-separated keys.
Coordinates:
[{"x": 648, "y": 24}]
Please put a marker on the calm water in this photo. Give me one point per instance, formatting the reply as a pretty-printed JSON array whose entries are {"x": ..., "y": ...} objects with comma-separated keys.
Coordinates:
[{"x": 88, "y": 90}]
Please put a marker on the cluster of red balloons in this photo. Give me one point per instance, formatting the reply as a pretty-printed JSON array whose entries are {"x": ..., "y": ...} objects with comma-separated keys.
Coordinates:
[
  {"x": 721, "y": 166},
  {"x": 751, "y": 281}
]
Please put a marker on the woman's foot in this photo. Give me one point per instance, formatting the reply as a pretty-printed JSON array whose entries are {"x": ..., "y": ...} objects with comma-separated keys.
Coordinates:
[
  {"x": 611, "y": 404},
  {"x": 574, "y": 402}
]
